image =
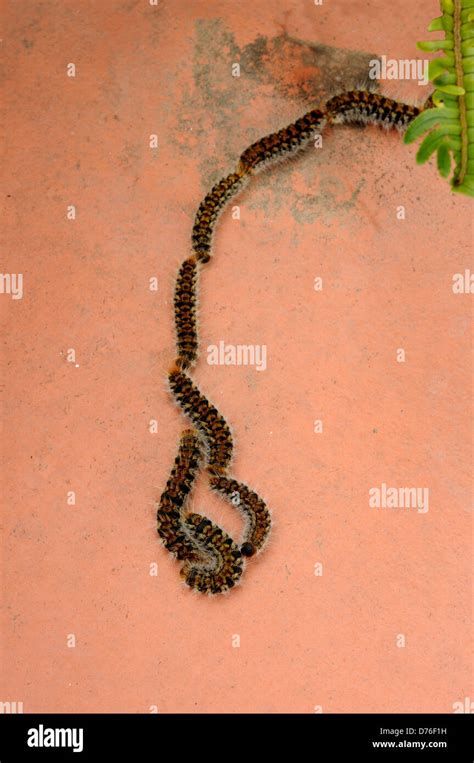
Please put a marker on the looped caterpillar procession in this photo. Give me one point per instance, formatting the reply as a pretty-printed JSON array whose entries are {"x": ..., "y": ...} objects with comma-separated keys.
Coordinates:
[{"x": 213, "y": 562}]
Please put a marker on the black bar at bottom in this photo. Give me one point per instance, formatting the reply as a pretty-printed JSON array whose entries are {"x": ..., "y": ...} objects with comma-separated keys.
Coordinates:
[{"x": 148, "y": 737}]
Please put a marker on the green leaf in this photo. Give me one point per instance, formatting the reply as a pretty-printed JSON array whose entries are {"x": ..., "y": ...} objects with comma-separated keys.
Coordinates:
[
  {"x": 431, "y": 143},
  {"x": 437, "y": 98},
  {"x": 428, "y": 119},
  {"x": 432, "y": 45},
  {"x": 441, "y": 24},
  {"x": 447, "y": 6},
  {"x": 436, "y": 25},
  {"x": 467, "y": 65},
  {"x": 467, "y": 187},
  {"x": 451, "y": 89},
  {"x": 444, "y": 79},
  {"x": 438, "y": 65},
  {"x": 444, "y": 160},
  {"x": 446, "y": 126},
  {"x": 450, "y": 102}
]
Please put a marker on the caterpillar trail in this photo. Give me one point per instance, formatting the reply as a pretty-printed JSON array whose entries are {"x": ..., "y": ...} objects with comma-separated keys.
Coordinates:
[
  {"x": 281, "y": 144},
  {"x": 206, "y": 418},
  {"x": 209, "y": 211},
  {"x": 213, "y": 562},
  {"x": 366, "y": 107},
  {"x": 185, "y": 299}
]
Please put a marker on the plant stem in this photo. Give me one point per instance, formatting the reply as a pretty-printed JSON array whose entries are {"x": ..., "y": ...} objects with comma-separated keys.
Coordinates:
[{"x": 462, "y": 99}]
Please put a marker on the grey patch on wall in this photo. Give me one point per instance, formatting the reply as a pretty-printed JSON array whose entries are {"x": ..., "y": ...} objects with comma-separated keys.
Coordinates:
[
  {"x": 304, "y": 71},
  {"x": 330, "y": 199},
  {"x": 325, "y": 205},
  {"x": 299, "y": 71}
]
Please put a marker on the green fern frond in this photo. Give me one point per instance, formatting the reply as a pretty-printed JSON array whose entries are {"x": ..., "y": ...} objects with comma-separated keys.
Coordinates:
[{"x": 451, "y": 121}]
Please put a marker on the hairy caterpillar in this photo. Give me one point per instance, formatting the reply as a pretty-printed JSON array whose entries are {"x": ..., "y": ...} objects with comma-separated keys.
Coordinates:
[
  {"x": 185, "y": 313},
  {"x": 174, "y": 497},
  {"x": 366, "y": 107},
  {"x": 213, "y": 562},
  {"x": 257, "y": 516},
  {"x": 208, "y": 213},
  {"x": 280, "y": 144},
  {"x": 206, "y": 418},
  {"x": 226, "y": 565}
]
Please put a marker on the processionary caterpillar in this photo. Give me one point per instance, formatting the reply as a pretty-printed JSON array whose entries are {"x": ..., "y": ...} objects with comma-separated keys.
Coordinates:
[
  {"x": 226, "y": 565},
  {"x": 213, "y": 562},
  {"x": 208, "y": 213},
  {"x": 185, "y": 300},
  {"x": 171, "y": 509},
  {"x": 255, "y": 511},
  {"x": 279, "y": 145},
  {"x": 365, "y": 107},
  {"x": 206, "y": 418}
]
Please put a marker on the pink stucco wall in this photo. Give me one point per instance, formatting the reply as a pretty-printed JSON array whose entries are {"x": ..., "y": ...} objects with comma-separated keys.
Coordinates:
[{"x": 305, "y": 641}]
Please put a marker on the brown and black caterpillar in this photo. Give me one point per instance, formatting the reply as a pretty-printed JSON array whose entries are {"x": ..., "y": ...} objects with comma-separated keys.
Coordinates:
[
  {"x": 172, "y": 506},
  {"x": 255, "y": 512},
  {"x": 213, "y": 562},
  {"x": 206, "y": 418},
  {"x": 366, "y": 107},
  {"x": 279, "y": 145},
  {"x": 185, "y": 299},
  {"x": 224, "y": 567},
  {"x": 209, "y": 211}
]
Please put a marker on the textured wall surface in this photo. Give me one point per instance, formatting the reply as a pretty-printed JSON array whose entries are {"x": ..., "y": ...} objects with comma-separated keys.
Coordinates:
[{"x": 385, "y": 627}]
